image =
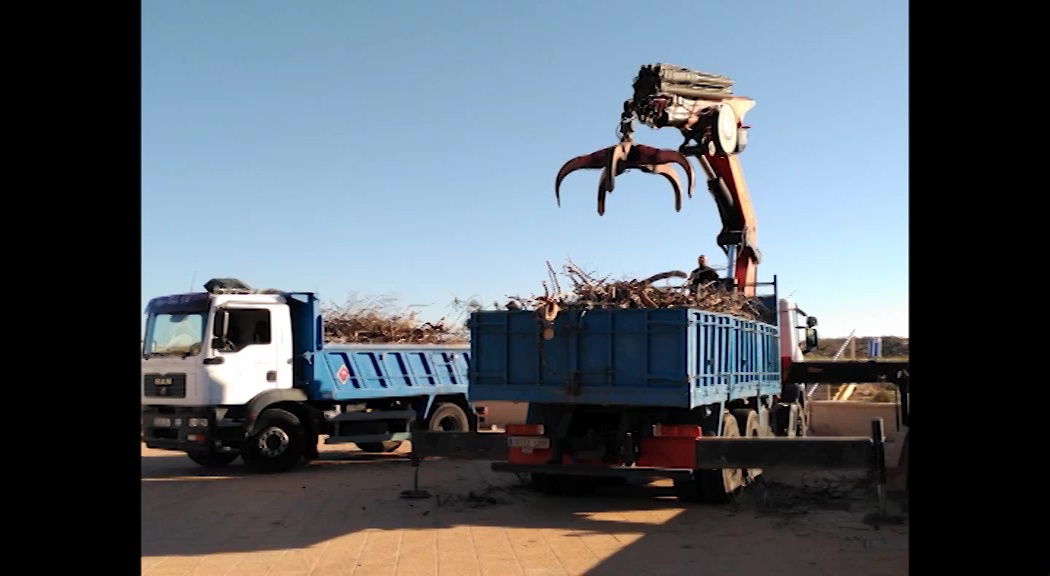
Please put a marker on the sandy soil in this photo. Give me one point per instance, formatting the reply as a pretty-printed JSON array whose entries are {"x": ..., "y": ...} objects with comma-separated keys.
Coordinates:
[{"x": 343, "y": 515}]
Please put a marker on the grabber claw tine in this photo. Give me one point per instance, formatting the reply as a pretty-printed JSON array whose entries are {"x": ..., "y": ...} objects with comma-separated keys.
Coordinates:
[
  {"x": 597, "y": 159},
  {"x": 620, "y": 153},
  {"x": 666, "y": 171},
  {"x": 604, "y": 186}
]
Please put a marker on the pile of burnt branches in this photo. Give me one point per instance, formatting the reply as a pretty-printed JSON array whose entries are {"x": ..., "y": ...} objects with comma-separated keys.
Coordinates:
[
  {"x": 379, "y": 321},
  {"x": 589, "y": 291}
]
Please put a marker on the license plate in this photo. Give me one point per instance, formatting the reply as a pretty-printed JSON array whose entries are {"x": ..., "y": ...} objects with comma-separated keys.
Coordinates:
[
  {"x": 529, "y": 442},
  {"x": 162, "y": 422}
]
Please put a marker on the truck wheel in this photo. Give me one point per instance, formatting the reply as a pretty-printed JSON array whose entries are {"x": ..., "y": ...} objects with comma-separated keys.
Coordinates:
[
  {"x": 448, "y": 417},
  {"x": 802, "y": 423},
  {"x": 278, "y": 444},
  {"x": 792, "y": 425},
  {"x": 747, "y": 419},
  {"x": 791, "y": 392},
  {"x": 211, "y": 458},
  {"x": 718, "y": 486}
]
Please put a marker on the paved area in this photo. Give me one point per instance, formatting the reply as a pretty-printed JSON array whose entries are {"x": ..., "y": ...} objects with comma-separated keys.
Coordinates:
[{"x": 343, "y": 516}]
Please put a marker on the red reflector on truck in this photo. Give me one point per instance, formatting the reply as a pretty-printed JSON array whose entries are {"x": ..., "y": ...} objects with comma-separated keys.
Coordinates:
[
  {"x": 525, "y": 430},
  {"x": 677, "y": 431}
]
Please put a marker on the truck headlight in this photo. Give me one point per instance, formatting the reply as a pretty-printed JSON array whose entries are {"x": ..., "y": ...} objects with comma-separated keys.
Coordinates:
[{"x": 198, "y": 422}]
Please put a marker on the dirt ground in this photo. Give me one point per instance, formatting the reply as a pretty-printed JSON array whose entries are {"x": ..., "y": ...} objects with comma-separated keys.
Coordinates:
[{"x": 343, "y": 516}]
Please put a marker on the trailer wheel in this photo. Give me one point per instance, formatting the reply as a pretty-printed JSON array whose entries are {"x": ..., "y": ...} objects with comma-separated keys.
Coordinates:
[
  {"x": 211, "y": 458},
  {"x": 278, "y": 444},
  {"x": 747, "y": 419}
]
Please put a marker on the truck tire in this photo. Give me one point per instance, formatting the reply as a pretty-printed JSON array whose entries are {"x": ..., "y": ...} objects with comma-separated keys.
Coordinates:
[
  {"x": 211, "y": 458},
  {"x": 448, "y": 417},
  {"x": 278, "y": 443},
  {"x": 714, "y": 486},
  {"x": 747, "y": 420},
  {"x": 791, "y": 392}
]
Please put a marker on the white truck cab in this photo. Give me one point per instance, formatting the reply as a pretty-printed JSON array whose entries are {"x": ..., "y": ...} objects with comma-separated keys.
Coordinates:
[{"x": 215, "y": 349}]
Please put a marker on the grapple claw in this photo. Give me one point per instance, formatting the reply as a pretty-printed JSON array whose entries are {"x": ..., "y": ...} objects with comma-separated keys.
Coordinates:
[
  {"x": 666, "y": 171},
  {"x": 626, "y": 155},
  {"x": 594, "y": 160},
  {"x": 648, "y": 156}
]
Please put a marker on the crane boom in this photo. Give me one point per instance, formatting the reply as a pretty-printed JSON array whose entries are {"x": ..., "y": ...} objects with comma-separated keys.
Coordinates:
[
  {"x": 703, "y": 108},
  {"x": 738, "y": 237}
]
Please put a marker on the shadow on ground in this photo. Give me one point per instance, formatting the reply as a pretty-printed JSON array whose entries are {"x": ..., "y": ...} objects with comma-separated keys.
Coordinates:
[{"x": 643, "y": 529}]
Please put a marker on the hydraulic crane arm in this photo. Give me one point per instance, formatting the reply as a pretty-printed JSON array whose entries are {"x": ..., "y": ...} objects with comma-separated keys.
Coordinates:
[
  {"x": 737, "y": 238},
  {"x": 710, "y": 118}
]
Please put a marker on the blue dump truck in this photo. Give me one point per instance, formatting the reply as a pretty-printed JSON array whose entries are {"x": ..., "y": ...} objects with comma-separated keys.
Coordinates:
[
  {"x": 234, "y": 371},
  {"x": 702, "y": 398}
]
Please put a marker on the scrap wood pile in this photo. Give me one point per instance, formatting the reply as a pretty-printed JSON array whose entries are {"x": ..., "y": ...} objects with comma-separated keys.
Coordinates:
[
  {"x": 377, "y": 321},
  {"x": 590, "y": 291}
]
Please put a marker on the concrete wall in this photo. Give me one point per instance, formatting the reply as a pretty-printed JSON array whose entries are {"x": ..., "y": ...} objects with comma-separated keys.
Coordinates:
[{"x": 830, "y": 418}]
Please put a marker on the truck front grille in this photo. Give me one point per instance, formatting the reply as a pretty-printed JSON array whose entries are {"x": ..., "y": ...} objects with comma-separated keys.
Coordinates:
[{"x": 164, "y": 385}]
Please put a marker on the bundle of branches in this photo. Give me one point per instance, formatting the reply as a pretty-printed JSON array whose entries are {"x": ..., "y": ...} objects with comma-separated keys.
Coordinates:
[
  {"x": 378, "y": 321},
  {"x": 590, "y": 292}
]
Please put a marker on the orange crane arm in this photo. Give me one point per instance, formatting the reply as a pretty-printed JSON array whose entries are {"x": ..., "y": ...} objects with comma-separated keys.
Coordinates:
[{"x": 738, "y": 237}]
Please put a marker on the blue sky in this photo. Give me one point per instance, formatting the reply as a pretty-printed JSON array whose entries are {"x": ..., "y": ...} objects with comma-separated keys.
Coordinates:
[{"x": 410, "y": 147}]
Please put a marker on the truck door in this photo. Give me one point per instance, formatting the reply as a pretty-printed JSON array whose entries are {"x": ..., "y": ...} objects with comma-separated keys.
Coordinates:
[{"x": 252, "y": 354}]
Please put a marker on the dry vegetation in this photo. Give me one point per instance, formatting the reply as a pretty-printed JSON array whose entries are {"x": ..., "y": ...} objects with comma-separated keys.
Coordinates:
[
  {"x": 589, "y": 290},
  {"x": 379, "y": 321}
]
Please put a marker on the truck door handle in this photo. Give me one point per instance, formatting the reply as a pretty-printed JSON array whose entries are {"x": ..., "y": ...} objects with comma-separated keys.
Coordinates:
[{"x": 271, "y": 376}]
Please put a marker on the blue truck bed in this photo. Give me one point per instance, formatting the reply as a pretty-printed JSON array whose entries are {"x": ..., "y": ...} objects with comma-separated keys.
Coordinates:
[
  {"x": 637, "y": 357},
  {"x": 364, "y": 371}
]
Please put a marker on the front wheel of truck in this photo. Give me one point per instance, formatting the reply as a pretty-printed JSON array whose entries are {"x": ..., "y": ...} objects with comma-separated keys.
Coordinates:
[
  {"x": 278, "y": 443},
  {"x": 211, "y": 458}
]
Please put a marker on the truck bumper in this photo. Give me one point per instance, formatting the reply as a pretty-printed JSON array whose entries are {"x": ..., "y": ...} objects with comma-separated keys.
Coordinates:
[{"x": 182, "y": 428}]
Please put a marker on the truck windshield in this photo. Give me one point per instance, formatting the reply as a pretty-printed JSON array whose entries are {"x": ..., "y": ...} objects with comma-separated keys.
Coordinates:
[{"x": 171, "y": 334}]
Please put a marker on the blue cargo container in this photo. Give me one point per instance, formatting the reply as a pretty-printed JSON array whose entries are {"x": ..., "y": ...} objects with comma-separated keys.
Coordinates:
[
  {"x": 681, "y": 358},
  {"x": 358, "y": 372}
]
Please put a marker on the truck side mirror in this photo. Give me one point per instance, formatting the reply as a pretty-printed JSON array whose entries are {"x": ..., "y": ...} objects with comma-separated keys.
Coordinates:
[
  {"x": 220, "y": 329},
  {"x": 811, "y": 340},
  {"x": 811, "y": 322}
]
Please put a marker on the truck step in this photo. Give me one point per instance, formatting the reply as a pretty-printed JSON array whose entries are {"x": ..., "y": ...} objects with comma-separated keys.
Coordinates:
[
  {"x": 402, "y": 415},
  {"x": 369, "y": 438}
]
